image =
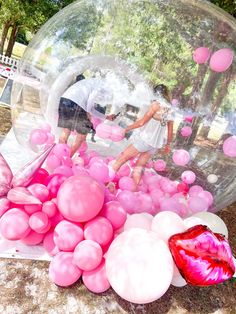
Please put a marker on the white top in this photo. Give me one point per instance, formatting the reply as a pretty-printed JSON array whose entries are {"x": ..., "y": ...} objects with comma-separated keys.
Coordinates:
[
  {"x": 89, "y": 92},
  {"x": 154, "y": 131}
]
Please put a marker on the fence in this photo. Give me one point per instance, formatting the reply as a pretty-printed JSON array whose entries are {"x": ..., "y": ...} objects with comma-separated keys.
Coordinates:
[{"x": 9, "y": 61}]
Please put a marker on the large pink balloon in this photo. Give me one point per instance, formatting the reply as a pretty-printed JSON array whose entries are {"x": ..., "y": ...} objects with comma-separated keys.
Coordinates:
[
  {"x": 221, "y": 60},
  {"x": 104, "y": 130},
  {"x": 201, "y": 55},
  {"x": 67, "y": 235},
  {"x": 14, "y": 224},
  {"x": 5, "y": 176},
  {"x": 129, "y": 255},
  {"x": 53, "y": 162},
  {"x": 88, "y": 255},
  {"x": 99, "y": 171},
  {"x": 117, "y": 134},
  {"x": 229, "y": 146},
  {"x": 99, "y": 230},
  {"x": 80, "y": 198},
  {"x": 181, "y": 157},
  {"x": 38, "y": 137},
  {"x": 62, "y": 271},
  {"x": 96, "y": 280},
  {"x": 115, "y": 213}
]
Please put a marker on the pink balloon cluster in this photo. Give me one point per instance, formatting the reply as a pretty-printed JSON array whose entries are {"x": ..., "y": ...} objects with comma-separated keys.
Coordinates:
[
  {"x": 112, "y": 132},
  {"x": 41, "y": 136}
]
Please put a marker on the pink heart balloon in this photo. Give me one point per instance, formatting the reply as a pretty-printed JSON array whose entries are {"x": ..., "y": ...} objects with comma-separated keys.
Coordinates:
[
  {"x": 5, "y": 176},
  {"x": 21, "y": 195}
]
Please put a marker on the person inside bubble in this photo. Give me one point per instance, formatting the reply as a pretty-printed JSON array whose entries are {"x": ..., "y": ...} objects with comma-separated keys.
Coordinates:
[
  {"x": 151, "y": 133},
  {"x": 77, "y": 106}
]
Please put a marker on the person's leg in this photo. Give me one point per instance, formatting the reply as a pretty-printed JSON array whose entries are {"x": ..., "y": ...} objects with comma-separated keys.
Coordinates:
[
  {"x": 80, "y": 138},
  {"x": 139, "y": 166},
  {"x": 64, "y": 136},
  {"x": 126, "y": 155}
]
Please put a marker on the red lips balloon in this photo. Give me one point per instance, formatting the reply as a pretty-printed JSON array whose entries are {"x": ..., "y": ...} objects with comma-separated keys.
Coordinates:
[{"x": 203, "y": 258}]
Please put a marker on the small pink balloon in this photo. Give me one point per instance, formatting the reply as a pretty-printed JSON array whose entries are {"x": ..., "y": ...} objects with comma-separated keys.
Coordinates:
[
  {"x": 23, "y": 196},
  {"x": 46, "y": 127},
  {"x": 84, "y": 207},
  {"x": 229, "y": 146},
  {"x": 54, "y": 182},
  {"x": 5, "y": 204},
  {"x": 33, "y": 238},
  {"x": 104, "y": 130},
  {"x": 221, "y": 60},
  {"x": 124, "y": 171},
  {"x": 143, "y": 221},
  {"x": 207, "y": 196},
  {"x": 159, "y": 165},
  {"x": 99, "y": 230},
  {"x": 115, "y": 213},
  {"x": 56, "y": 219},
  {"x": 61, "y": 150},
  {"x": 80, "y": 171},
  {"x": 127, "y": 200},
  {"x": 149, "y": 164},
  {"x": 40, "y": 191},
  {"x": 197, "y": 204},
  {"x": 83, "y": 147},
  {"x": 49, "y": 208},
  {"x": 201, "y": 55},
  {"x": 142, "y": 187},
  {"x": 5, "y": 176},
  {"x": 96, "y": 280},
  {"x": 153, "y": 182},
  {"x": 188, "y": 119},
  {"x": 14, "y": 224},
  {"x": 38, "y": 222},
  {"x": 88, "y": 255},
  {"x": 170, "y": 204},
  {"x": 53, "y": 162},
  {"x": 67, "y": 161},
  {"x": 186, "y": 131},
  {"x": 168, "y": 186},
  {"x": 40, "y": 176},
  {"x": 31, "y": 209},
  {"x": 95, "y": 159},
  {"x": 38, "y": 137},
  {"x": 181, "y": 157},
  {"x": 175, "y": 102},
  {"x": 127, "y": 183},
  {"x": 64, "y": 170},
  {"x": 99, "y": 171},
  {"x": 157, "y": 195},
  {"x": 49, "y": 244},
  {"x": 117, "y": 134},
  {"x": 67, "y": 235},
  {"x": 195, "y": 190},
  {"x": 62, "y": 271},
  {"x": 143, "y": 203},
  {"x": 188, "y": 177},
  {"x": 51, "y": 138}
]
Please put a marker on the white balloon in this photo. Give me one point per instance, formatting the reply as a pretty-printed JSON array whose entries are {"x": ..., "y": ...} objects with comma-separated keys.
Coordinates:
[
  {"x": 165, "y": 224},
  {"x": 214, "y": 222},
  {"x": 212, "y": 178},
  {"x": 178, "y": 280},
  {"x": 143, "y": 221},
  {"x": 193, "y": 221},
  {"x": 139, "y": 266}
]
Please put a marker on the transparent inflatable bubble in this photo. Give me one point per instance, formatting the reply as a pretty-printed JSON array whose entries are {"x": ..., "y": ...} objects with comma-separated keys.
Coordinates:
[{"x": 131, "y": 46}]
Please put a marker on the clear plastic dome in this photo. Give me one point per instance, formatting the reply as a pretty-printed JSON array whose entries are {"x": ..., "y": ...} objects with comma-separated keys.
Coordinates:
[{"x": 134, "y": 45}]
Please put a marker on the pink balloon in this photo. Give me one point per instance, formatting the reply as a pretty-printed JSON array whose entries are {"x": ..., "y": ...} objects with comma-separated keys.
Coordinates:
[
  {"x": 170, "y": 204},
  {"x": 229, "y": 146},
  {"x": 40, "y": 191},
  {"x": 95, "y": 159},
  {"x": 96, "y": 280},
  {"x": 117, "y": 134},
  {"x": 142, "y": 187},
  {"x": 115, "y": 213},
  {"x": 88, "y": 255},
  {"x": 5, "y": 176},
  {"x": 127, "y": 183},
  {"x": 157, "y": 195},
  {"x": 143, "y": 203},
  {"x": 80, "y": 171},
  {"x": 104, "y": 130},
  {"x": 49, "y": 244},
  {"x": 62, "y": 271},
  {"x": 31, "y": 209},
  {"x": 153, "y": 182},
  {"x": 127, "y": 200},
  {"x": 175, "y": 102},
  {"x": 14, "y": 224},
  {"x": 21, "y": 195},
  {"x": 51, "y": 138},
  {"x": 159, "y": 165},
  {"x": 201, "y": 55},
  {"x": 64, "y": 170},
  {"x": 181, "y": 157},
  {"x": 221, "y": 60},
  {"x": 33, "y": 238},
  {"x": 143, "y": 221},
  {"x": 78, "y": 161},
  {"x": 197, "y": 204},
  {"x": 54, "y": 182},
  {"x": 46, "y": 127},
  {"x": 67, "y": 161},
  {"x": 61, "y": 150},
  {"x": 95, "y": 121},
  {"x": 56, "y": 219},
  {"x": 49, "y": 208},
  {"x": 168, "y": 186},
  {"x": 186, "y": 131},
  {"x": 4, "y": 205},
  {"x": 40, "y": 176},
  {"x": 195, "y": 190},
  {"x": 99, "y": 171},
  {"x": 38, "y": 137},
  {"x": 53, "y": 162},
  {"x": 38, "y": 222},
  {"x": 188, "y": 119},
  {"x": 83, "y": 147},
  {"x": 188, "y": 177},
  {"x": 84, "y": 207},
  {"x": 207, "y": 196},
  {"x": 124, "y": 171},
  {"x": 67, "y": 235},
  {"x": 99, "y": 230}
]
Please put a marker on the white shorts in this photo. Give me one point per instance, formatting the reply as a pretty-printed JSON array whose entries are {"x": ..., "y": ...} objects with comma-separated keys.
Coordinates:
[{"x": 142, "y": 146}]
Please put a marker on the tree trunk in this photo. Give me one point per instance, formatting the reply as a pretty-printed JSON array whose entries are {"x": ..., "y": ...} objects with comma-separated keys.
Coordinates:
[
  {"x": 14, "y": 32},
  {"x": 5, "y": 29}
]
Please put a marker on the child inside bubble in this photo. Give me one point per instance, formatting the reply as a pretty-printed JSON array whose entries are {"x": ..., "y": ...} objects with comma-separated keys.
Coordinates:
[
  {"x": 151, "y": 133},
  {"x": 77, "y": 106}
]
